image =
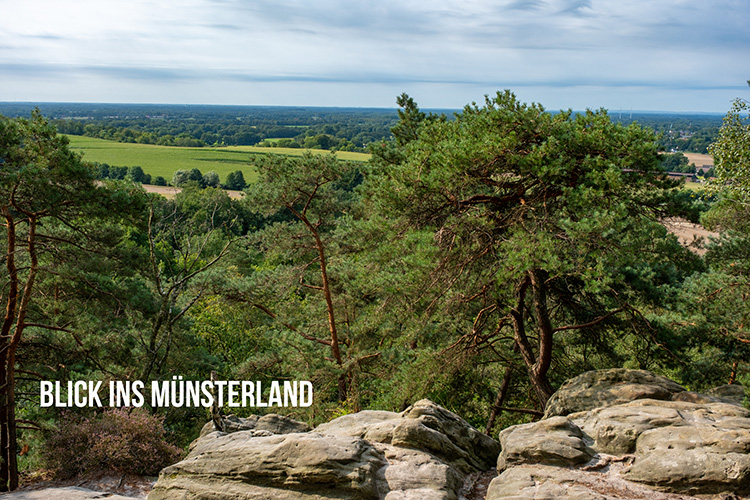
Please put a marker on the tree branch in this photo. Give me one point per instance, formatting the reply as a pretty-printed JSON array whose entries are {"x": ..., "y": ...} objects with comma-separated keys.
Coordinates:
[{"x": 590, "y": 323}]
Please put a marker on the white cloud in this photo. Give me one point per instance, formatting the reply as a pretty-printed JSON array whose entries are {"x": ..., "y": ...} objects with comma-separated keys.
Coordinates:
[{"x": 121, "y": 50}]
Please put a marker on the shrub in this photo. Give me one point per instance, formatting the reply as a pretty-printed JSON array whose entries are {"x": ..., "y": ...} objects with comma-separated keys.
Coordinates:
[
  {"x": 120, "y": 439},
  {"x": 235, "y": 180},
  {"x": 180, "y": 177},
  {"x": 211, "y": 179}
]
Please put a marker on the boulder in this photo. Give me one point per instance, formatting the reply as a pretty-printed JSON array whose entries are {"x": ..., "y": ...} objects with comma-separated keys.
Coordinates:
[
  {"x": 602, "y": 388},
  {"x": 615, "y": 429},
  {"x": 427, "y": 426},
  {"x": 707, "y": 450},
  {"x": 293, "y": 466},
  {"x": 423, "y": 453},
  {"x": 730, "y": 393},
  {"x": 682, "y": 443},
  {"x": 541, "y": 482},
  {"x": 546, "y": 482},
  {"x": 555, "y": 441}
]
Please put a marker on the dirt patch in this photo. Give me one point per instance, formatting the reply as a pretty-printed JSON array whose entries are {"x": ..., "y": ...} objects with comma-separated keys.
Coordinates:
[
  {"x": 692, "y": 236},
  {"x": 171, "y": 191}
]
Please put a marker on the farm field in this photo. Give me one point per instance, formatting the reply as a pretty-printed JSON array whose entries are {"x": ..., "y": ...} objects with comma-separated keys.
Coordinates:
[
  {"x": 165, "y": 160},
  {"x": 699, "y": 159}
]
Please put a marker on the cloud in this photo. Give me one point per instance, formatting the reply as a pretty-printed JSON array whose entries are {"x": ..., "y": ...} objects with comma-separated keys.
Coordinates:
[
  {"x": 526, "y": 5},
  {"x": 568, "y": 44}
]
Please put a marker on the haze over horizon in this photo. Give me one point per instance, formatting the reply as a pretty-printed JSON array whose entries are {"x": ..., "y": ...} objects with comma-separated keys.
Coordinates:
[{"x": 673, "y": 55}]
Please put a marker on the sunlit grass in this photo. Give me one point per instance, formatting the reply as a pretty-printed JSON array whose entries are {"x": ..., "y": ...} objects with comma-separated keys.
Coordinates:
[{"x": 165, "y": 160}]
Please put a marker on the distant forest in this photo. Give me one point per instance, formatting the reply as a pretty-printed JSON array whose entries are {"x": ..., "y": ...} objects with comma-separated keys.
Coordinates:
[{"x": 338, "y": 129}]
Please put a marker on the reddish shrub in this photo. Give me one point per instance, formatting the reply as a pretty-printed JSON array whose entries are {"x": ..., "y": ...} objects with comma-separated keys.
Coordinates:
[{"x": 120, "y": 439}]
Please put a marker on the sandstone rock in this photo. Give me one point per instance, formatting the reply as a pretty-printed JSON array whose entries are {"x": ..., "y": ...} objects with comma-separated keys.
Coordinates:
[
  {"x": 299, "y": 466},
  {"x": 694, "y": 397},
  {"x": 67, "y": 493},
  {"x": 372, "y": 425},
  {"x": 674, "y": 446},
  {"x": 706, "y": 452},
  {"x": 601, "y": 388},
  {"x": 730, "y": 393},
  {"x": 477, "y": 449},
  {"x": 544, "y": 482},
  {"x": 423, "y": 453},
  {"x": 609, "y": 435},
  {"x": 416, "y": 475},
  {"x": 555, "y": 441},
  {"x": 272, "y": 423},
  {"x": 615, "y": 429},
  {"x": 540, "y": 483}
]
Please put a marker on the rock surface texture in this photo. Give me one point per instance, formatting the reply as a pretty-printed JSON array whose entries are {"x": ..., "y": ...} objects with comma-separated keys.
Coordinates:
[
  {"x": 665, "y": 443},
  {"x": 66, "y": 493},
  {"x": 607, "y": 435},
  {"x": 423, "y": 453}
]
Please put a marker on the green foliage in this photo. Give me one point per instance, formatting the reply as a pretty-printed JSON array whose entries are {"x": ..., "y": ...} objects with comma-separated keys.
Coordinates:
[
  {"x": 196, "y": 176},
  {"x": 505, "y": 239},
  {"x": 164, "y": 161},
  {"x": 715, "y": 301},
  {"x": 202, "y": 126},
  {"x": 117, "y": 173},
  {"x": 59, "y": 226},
  {"x": 676, "y": 162},
  {"x": 315, "y": 190},
  {"x": 731, "y": 154},
  {"x": 511, "y": 194},
  {"x": 180, "y": 177},
  {"x": 38, "y": 169},
  {"x": 235, "y": 180},
  {"x": 211, "y": 179}
]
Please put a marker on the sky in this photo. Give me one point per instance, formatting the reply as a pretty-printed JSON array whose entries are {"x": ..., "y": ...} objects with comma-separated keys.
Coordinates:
[{"x": 666, "y": 55}]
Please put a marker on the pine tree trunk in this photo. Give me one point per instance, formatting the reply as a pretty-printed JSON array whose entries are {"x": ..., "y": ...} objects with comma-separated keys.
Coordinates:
[
  {"x": 499, "y": 399},
  {"x": 9, "y": 467},
  {"x": 537, "y": 364}
]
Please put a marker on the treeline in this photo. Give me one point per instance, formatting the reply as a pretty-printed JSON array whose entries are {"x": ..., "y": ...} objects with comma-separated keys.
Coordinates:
[
  {"x": 678, "y": 132},
  {"x": 478, "y": 261},
  {"x": 341, "y": 129},
  {"x": 181, "y": 178}
]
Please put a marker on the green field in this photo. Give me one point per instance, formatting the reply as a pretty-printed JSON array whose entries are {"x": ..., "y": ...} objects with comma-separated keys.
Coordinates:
[{"x": 165, "y": 160}]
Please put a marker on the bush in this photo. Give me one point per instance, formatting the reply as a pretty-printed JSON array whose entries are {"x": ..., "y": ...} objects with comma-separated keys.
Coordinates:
[
  {"x": 235, "y": 180},
  {"x": 180, "y": 177},
  {"x": 120, "y": 439},
  {"x": 211, "y": 179}
]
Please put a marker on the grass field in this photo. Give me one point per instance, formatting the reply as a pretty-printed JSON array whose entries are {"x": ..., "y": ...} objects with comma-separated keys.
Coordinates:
[{"x": 165, "y": 160}]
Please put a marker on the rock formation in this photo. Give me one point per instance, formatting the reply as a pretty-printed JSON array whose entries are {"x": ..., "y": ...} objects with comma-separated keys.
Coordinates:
[
  {"x": 665, "y": 442},
  {"x": 423, "y": 453},
  {"x": 610, "y": 434}
]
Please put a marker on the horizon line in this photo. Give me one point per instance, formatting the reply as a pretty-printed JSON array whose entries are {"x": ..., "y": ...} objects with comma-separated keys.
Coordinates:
[{"x": 610, "y": 111}]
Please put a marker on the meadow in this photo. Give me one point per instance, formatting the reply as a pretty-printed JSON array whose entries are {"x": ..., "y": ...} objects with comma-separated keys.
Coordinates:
[{"x": 165, "y": 160}]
